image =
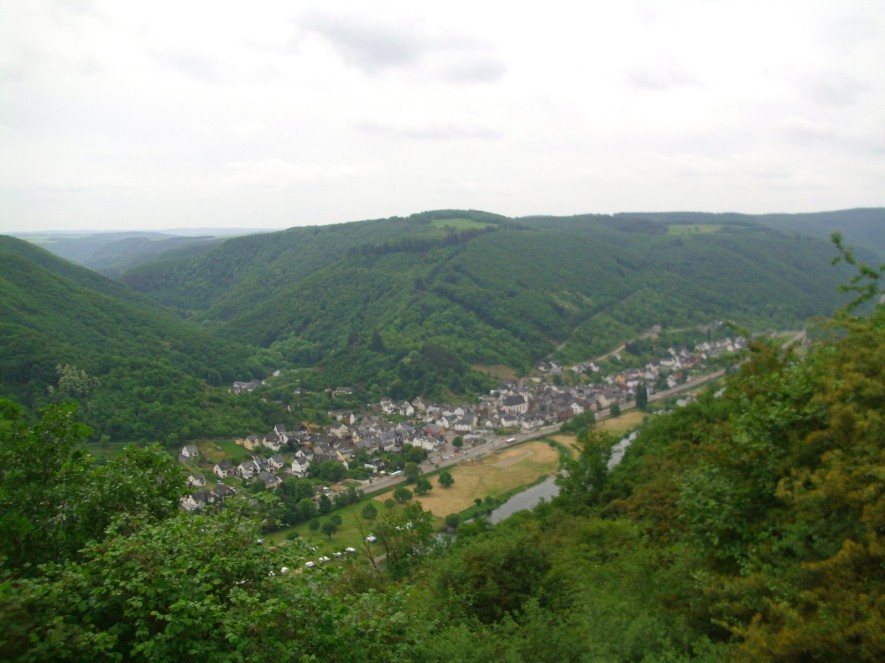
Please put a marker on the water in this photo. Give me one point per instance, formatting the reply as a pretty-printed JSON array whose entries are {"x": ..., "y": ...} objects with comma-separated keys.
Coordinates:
[
  {"x": 547, "y": 489},
  {"x": 527, "y": 499}
]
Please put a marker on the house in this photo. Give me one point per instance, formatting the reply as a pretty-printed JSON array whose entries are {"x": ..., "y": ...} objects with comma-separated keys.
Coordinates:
[
  {"x": 271, "y": 481},
  {"x": 189, "y": 451},
  {"x": 465, "y": 424},
  {"x": 189, "y": 503},
  {"x": 241, "y": 387},
  {"x": 247, "y": 469},
  {"x": 515, "y": 404},
  {"x": 196, "y": 479},
  {"x": 276, "y": 462},
  {"x": 221, "y": 491},
  {"x": 252, "y": 442},
  {"x": 223, "y": 469},
  {"x": 375, "y": 464},
  {"x": 300, "y": 467},
  {"x": 275, "y": 441}
]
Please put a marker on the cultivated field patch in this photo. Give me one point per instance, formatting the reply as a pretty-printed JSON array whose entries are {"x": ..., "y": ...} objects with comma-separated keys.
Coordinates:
[
  {"x": 693, "y": 229},
  {"x": 627, "y": 421},
  {"x": 491, "y": 475}
]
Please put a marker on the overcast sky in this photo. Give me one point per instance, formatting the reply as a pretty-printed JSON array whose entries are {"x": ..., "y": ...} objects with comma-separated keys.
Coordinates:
[{"x": 120, "y": 114}]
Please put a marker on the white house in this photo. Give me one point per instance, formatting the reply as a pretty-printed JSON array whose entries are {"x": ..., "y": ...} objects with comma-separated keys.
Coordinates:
[{"x": 300, "y": 467}]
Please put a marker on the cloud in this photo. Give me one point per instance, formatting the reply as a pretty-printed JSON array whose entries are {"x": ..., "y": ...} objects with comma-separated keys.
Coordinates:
[
  {"x": 832, "y": 88},
  {"x": 658, "y": 74},
  {"x": 430, "y": 129},
  {"x": 190, "y": 64},
  {"x": 476, "y": 69},
  {"x": 375, "y": 47},
  {"x": 274, "y": 173},
  {"x": 369, "y": 46}
]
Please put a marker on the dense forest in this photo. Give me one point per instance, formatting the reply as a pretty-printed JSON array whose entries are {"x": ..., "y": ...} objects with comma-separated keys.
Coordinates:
[
  {"x": 433, "y": 304},
  {"x": 139, "y": 372},
  {"x": 746, "y": 526},
  {"x": 422, "y": 304}
]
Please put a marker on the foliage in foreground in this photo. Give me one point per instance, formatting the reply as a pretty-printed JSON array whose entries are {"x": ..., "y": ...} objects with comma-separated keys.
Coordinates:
[{"x": 747, "y": 526}]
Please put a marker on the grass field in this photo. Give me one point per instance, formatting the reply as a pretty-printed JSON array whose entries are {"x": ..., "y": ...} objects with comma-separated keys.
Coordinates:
[
  {"x": 616, "y": 426},
  {"x": 696, "y": 229},
  {"x": 627, "y": 421},
  {"x": 491, "y": 475},
  {"x": 218, "y": 450},
  {"x": 460, "y": 224},
  {"x": 499, "y": 371},
  {"x": 347, "y": 535}
]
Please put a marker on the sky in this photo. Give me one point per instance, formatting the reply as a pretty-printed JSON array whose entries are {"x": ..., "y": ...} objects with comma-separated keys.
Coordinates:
[{"x": 125, "y": 115}]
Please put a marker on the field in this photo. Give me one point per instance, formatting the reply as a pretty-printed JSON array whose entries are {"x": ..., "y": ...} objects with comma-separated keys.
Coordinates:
[
  {"x": 565, "y": 439},
  {"x": 349, "y": 534},
  {"x": 616, "y": 426},
  {"x": 696, "y": 229},
  {"x": 491, "y": 475},
  {"x": 627, "y": 421},
  {"x": 216, "y": 451},
  {"x": 460, "y": 224},
  {"x": 499, "y": 371}
]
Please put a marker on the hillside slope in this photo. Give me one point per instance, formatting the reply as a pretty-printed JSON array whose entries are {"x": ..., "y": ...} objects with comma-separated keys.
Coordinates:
[
  {"x": 55, "y": 313},
  {"x": 487, "y": 289}
]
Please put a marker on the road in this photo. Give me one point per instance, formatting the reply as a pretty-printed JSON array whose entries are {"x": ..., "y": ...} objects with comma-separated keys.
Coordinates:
[{"x": 450, "y": 456}]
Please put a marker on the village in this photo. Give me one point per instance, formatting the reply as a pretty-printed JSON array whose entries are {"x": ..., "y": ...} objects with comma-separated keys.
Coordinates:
[{"x": 358, "y": 445}]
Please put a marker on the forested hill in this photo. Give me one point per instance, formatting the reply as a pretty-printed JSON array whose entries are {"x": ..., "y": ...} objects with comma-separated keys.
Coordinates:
[
  {"x": 746, "y": 526},
  {"x": 140, "y": 370},
  {"x": 460, "y": 289},
  {"x": 863, "y": 228}
]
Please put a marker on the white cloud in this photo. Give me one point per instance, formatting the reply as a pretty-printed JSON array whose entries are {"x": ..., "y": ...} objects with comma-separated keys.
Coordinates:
[{"x": 168, "y": 113}]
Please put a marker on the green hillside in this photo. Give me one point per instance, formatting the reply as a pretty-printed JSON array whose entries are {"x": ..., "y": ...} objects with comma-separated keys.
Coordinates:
[
  {"x": 151, "y": 372},
  {"x": 746, "y": 526},
  {"x": 453, "y": 289},
  {"x": 862, "y": 228}
]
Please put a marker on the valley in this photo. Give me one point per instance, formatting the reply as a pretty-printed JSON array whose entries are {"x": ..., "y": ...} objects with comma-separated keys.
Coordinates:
[{"x": 317, "y": 411}]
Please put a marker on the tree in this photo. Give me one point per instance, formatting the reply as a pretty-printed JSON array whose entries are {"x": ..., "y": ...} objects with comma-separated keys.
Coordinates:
[
  {"x": 405, "y": 534},
  {"x": 402, "y": 494},
  {"x": 329, "y": 528},
  {"x": 194, "y": 587},
  {"x": 54, "y": 498},
  {"x": 369, "y": 512},
  {"x": 307, "y": 510},
  {"x": 423, "y": 486},
  {"x": 414, "y": 454},
  {"x": 453, "y": 520},
  {"x": 336, "y": 518},
  {"x": 314, "y": 524},
  {"x": 583, "y": 482},
  {"x": 377, "y": 343},
  {"x": 458, "y": 442},
  {"x": 615, "y": 410},
  {"x": 445, "y": 478},
  {"x": 642, "y": 397},
  {"x": 73, "y": 383},
  {"x": 411, "y": 471}
]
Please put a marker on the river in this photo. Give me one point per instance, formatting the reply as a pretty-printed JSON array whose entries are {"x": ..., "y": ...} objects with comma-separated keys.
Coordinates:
[
  {"x": 547, "y": 489},
  {"x": 527, "y": 499}
]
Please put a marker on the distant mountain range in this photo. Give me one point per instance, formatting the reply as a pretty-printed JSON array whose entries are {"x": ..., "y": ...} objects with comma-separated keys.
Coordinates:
[{"x": 425, "y": 304}]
